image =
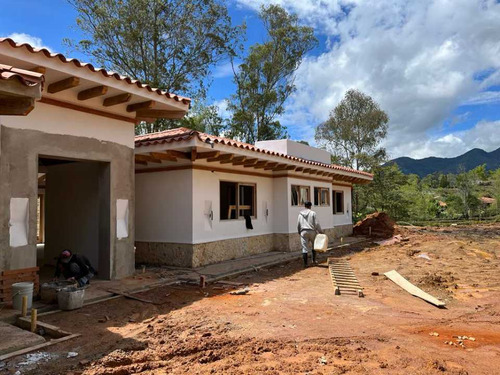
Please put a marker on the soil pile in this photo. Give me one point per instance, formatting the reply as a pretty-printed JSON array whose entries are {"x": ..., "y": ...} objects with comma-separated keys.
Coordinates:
[{"x": 382, "y": 226}]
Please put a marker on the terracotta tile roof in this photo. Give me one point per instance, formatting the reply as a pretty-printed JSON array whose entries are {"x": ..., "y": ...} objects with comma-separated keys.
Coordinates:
[
  {"x": 26, "y": 77},
  {"x": 90, "y": 67},
  {"x": 185, "y": 134}
]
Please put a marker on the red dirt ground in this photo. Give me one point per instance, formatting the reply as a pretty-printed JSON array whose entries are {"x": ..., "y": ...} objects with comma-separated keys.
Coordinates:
[{"x": 291, "y": 322}]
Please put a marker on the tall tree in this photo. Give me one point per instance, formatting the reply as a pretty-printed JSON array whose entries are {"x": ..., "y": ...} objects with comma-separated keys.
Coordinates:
[
  {"x": 206, "y": 119},
  {"x": 265, "y": 79},
  {"x": 171, "y": 44},
  {"x": 354, "y": 130}
]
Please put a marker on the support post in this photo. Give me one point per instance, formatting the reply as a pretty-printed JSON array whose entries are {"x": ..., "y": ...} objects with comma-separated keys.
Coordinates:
[
  {"x": 24, "y": 310},
  {"x": 33, "y": 319}
]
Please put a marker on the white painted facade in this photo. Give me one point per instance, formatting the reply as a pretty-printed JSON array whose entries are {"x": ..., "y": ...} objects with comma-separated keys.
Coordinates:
[
  {"x": 184, "y": 206},
  {"x": 56, "y": 120}
]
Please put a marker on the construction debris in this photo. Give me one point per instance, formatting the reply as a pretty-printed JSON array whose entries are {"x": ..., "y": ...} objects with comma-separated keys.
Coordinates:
[
  {"x": 378, "y": 224},
  {"x": 412, "y": 289},
  {"x": 240, "y": 292}
]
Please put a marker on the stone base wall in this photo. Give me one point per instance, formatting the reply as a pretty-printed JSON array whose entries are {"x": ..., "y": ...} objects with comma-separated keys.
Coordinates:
[{"x": 197, "y": 255}]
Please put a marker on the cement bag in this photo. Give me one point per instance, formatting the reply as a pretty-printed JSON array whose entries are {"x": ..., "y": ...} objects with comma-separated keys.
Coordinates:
[{"x": 321, "y": 243}]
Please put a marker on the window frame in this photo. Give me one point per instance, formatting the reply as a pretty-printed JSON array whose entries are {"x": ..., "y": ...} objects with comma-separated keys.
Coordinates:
[
  {"x": 254, "y": 199},
  {"x": 299, "y": 195},
  {"x": 334, "y": 203},
  {"x": 320, "y": 189}
]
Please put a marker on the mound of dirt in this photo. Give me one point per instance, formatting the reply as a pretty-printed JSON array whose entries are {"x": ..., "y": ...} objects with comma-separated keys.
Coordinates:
[{"x": 382, "y": 226}]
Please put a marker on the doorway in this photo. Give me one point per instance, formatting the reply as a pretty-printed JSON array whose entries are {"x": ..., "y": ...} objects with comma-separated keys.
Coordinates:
[{"x": 75, "y": 213}]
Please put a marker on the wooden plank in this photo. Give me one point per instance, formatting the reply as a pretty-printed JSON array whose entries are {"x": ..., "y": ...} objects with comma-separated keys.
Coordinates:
[
  {"x": 194, "y": 154},
  {"x": 163, "y": 156},
  {"x": 399, "y": 280},
  {"x": 142, "y": 105},
  {"x": 93, "y": 92},
  {"x": 179, "y": 154},
  {"x": 146, "y": 158},
  {"x": 63, "y": 84},
  {"x": 37, "y": 347},
  {"x": 206, "y": 155},
  {"x": 221, "y": 157},
  {"x": 117, "y": 99}
]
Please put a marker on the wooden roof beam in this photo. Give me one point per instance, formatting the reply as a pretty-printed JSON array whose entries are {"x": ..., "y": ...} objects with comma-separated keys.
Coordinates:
[
  {"x": 207, "y": 155},
  {"x": 117, "y": 99},
  {"x": 142, "y": 105},
  {"x": 64, "y": 84},
  {"x": 221, "y": 158},
  {"x": 146, "y": 158},
  {"x": 260, "y": 164},
  {"x": 163, "y": 156},
  {"x": 250, "y": 163},
  {"x": 38, "y": 69},
  {"x": 270, "y": 166},
  {"x": 93, "y": 92},
  {"x": 236, "y": 159},
  {"x": 179, "y": 154},
  {"x": 140, "y": 162},
  {"x": 245, "y": 161},
  {"x": 194, "y": 154}
]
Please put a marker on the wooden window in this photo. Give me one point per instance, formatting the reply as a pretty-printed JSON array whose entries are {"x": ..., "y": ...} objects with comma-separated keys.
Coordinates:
[
  {"x": 321, "y": 196},
  {"x": 338, "y": 202},
  {"x": 237, "y": 200},
  {"x": 300, "y": 195}
]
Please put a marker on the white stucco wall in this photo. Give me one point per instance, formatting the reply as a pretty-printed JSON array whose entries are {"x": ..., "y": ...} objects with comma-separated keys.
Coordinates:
[
  {"x": 56, "y": 120},
  {"x": 206, "y": 194},
  {"x": 164, "y": 206},
  {"x": 325, "y": 214}
]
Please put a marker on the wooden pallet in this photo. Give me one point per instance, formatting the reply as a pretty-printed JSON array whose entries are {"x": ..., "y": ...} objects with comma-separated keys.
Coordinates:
[
  {"x": 343, "y": 278},
  {"x": 7, "y": 278}
]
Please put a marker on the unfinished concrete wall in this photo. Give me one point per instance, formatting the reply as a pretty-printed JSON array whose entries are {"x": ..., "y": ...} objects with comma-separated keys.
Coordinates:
[
  {"x": 73, "y": 213},
  {"x": 20, "y": 149}
]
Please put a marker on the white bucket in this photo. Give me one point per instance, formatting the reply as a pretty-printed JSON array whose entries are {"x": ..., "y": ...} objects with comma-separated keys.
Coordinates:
[
  {"x": 70, "y": 298},
  {"x": 18, "y": 291},
  {"x": 321, "y": 243}
]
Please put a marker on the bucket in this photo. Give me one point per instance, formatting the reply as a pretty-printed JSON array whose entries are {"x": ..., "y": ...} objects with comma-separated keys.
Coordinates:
[
  {"x": 70, "y": 298},
  {"x": 48, "y": 291},
  {"x": 321, "y": 243},
  {"x": 18, "y": 291}
]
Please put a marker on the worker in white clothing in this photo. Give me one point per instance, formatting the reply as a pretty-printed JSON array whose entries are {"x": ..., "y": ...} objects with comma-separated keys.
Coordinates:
[{"x": 308, "y": 226}]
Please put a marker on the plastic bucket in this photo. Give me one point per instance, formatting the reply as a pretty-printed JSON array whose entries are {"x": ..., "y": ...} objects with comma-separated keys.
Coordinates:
[
  {"x": 321, "y": 243},
  {"x": 70, "y": 298},
  {"x": 18, "y": 291},
  {"x": 48, "y": 291}
]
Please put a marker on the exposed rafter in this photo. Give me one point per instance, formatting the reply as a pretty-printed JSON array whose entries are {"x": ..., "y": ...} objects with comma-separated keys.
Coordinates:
[
  {"x": 259, "y": 164},
  {"x": 93, "y": 92},
  {"x": 163, "y": 156},
  {"x": 207, "y": 155},
  {"x": 221, "y": 158},
  {"x": 64, "y": 84},
  {"x": 117, "y": 99},
  {"x": 142, "y": 105},
  {"x": 146, "y": 158}
]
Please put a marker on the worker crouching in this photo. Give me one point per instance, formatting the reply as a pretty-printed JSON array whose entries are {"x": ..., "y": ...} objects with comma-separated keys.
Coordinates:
[{"x": 74, "y": 267}]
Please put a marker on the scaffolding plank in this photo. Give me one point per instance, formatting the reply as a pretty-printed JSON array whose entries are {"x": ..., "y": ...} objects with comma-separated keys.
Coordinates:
[{"x": 399, "y": 280}]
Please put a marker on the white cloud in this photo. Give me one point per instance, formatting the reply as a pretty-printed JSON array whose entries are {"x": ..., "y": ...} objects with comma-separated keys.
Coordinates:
[
  {"x": 26, "y": 38},
  {"x": 224, "y": 70},
  {"x": 222, "y": 107},
  {"x": 485, "y": 97},
  {"x": 418, "y": 59},
  {"x": 484, "y": 135}
]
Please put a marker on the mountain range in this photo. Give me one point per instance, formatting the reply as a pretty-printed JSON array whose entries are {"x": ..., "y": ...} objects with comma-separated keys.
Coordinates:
[{"x": 470, "y": 160}]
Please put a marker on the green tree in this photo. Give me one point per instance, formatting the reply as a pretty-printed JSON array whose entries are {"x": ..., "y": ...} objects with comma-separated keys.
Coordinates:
[
  {"x": 495, "y": 179},
  {"x": 170, "y": 44},
  {"x": 354, "y": 130},
  {"x": 205, "y": 119},
  {"x": 466, "y": 184},
  {"x": 384, "y": 193},
  {"x": 264, "y": 80}
]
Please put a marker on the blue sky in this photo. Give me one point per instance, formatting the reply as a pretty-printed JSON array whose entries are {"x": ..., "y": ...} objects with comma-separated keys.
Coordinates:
[{"x": 433, "y": 65}]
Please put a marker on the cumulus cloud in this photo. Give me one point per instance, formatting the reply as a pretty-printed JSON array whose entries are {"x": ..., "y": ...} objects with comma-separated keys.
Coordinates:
[
  {"x": 26, "y": 38},
  {"x": 419, "y": 59}
]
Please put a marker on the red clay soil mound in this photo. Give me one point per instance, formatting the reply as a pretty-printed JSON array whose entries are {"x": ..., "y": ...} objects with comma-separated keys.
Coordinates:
[{"x": 381, "y": 223}]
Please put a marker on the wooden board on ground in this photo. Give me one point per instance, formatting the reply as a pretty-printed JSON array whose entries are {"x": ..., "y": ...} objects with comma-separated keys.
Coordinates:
[{"x": 395, "y": 277}]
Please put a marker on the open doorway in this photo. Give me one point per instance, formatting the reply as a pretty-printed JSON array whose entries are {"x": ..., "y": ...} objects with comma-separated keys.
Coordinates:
[{"x": 73, "y": 212}]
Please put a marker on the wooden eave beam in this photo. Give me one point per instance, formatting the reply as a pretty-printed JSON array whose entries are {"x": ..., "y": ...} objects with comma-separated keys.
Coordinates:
[
  {"x": 38, "y": 69},
  {"x": 117, "y": 99},
  {"x": 194, "y": 154},
  {"x": 238, "y": 159},
  {"x": 142, "y": 105},
  {"x": 141, "y": 162},
  {"x": 299, "y": 169},
  {"x": 250, "y": 163},
  {"x": 64, "y": 84},
  {"x": 207, "y": 155},
  {"x": 270, "y": 166},
  {"x": 306, "y": 170},
  {"x": 179, "y": 154},
  {"x": 93, "y": 92},
  {"x": 16, "y": 106},
  {"x": 163, "y": 156},
  {"x": 159, "y": 113},
  {"x": 260, "y": 164},
  {"x": 221, "y": 158},
  {"x": 246, "y": 161},
  {"x": 147, "y": 158}
]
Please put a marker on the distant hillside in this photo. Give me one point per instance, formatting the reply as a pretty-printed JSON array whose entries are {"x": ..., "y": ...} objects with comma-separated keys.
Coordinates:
[{"x": 469, "y": 160}]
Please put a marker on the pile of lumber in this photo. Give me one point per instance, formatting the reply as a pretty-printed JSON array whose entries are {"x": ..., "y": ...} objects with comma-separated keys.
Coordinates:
[{"x": 7, "y": 278}]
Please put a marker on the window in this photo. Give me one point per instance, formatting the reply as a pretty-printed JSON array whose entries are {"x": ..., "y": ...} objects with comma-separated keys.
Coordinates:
[
  {"x": 321, "y": 196},
  {"x": 300, "y": 195},
  {"x": 338, "y": 202},
  {"x": 236, "y": 200}
]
